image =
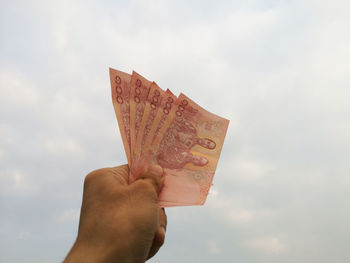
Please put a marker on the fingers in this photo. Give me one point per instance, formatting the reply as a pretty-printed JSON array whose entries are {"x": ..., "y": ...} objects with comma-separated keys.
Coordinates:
[
  {"x": 159, "y": 236},
  {"x": 152, "y": 180},
  {"x": 120, "y": 173},
  {"x": 163, "y": 220}
]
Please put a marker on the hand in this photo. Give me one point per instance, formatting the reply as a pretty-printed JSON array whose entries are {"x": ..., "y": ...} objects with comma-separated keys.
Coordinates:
[{"x": 119, "y": 222}]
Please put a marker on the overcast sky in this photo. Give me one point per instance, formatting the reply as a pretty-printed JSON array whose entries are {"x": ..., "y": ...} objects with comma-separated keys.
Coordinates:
[{"x": 279, "y": 70}]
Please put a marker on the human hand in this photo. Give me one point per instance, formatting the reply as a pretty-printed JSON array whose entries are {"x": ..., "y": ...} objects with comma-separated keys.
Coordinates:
[{"x": 119, "y": 222}]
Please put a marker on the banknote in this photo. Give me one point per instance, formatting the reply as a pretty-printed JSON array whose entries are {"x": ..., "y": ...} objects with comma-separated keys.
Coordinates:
[
  {"x": 152, "y": 104},
  {"x": 120, "y": 87},
  {"x": 159, "y": 120},
  {"x": 188, "y": 148},
  {"x": 145, "y": 159},
  {"x": 139, "y": 91}
]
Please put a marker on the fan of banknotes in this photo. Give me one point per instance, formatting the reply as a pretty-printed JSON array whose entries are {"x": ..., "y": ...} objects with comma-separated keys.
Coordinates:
[{"x": 158, "y": 128}]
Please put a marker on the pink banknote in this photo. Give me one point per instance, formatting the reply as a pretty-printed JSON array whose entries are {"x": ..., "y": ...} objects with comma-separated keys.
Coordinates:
[
  {"x": 120, "y": 86},
  {"x": 188, "y": 148},
  {"x": 160, "y": 118},
  {"x": 140, "y": 88},
  {"x": 152, "y": 105},
  {"x": 144, "y": 160}
]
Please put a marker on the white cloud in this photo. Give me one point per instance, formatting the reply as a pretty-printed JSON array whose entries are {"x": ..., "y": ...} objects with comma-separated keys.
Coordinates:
[
  {"x": 64, "y": 106},
  {"x": 24, "y": 235},
  {"x": 67, "y": 215},
  {"x": 252, "y": 25},
  {"x": 17, "y": 91},
  {"x": 267, "y": 244},
  {"x": 6, "y": 134},
  {"x": 238, "y": 210},
  {"x": 64, "y": 147},
  {"x": 241, "y": 216},
  {"x": 249, "y": 170},
  {"x": 213, "y": 247},
  {"x": 15, "y": 182}
]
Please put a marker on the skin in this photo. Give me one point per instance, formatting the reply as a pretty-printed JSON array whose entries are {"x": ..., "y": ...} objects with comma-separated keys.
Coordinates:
[{"x": 119, "y": 222}]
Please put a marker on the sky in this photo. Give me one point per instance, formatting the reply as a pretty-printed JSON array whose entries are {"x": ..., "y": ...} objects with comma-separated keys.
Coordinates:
[{"x": 278, "y": 70}]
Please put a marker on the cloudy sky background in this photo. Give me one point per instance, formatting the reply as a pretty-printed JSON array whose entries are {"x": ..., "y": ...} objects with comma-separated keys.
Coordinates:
[{"x": 279, "y": 70}]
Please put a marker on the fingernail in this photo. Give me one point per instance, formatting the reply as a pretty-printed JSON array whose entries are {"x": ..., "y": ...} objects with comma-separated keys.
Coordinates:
[{"x": 156, "y": 170}]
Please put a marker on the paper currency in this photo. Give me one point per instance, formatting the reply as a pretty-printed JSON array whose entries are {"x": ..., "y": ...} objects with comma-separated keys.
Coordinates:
[
  {"x": 140, "y": 88},
  {"x": 160, "y": 118},
  {"x": 152, "y": 105},
  {"x": 188, "y": 148},
  {"x": 145, "y": 159},
  {"x": 120, "y": 85},
  {"x": 174, "y": 133}
]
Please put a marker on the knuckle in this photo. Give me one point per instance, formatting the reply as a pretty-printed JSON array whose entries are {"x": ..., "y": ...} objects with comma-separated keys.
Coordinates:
[
  {"x": 160, "y": 238},
  {"x": 163, "y": 218},
  {"x": 160, "y": 241},
  {"x": 95, "y": 175},
  {"x": 147, "y": 186},
  {"x": 90, "y": 177}
]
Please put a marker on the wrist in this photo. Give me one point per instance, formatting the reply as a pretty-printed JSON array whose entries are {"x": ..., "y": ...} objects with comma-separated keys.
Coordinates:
[{"x": 89, "y": 253}]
